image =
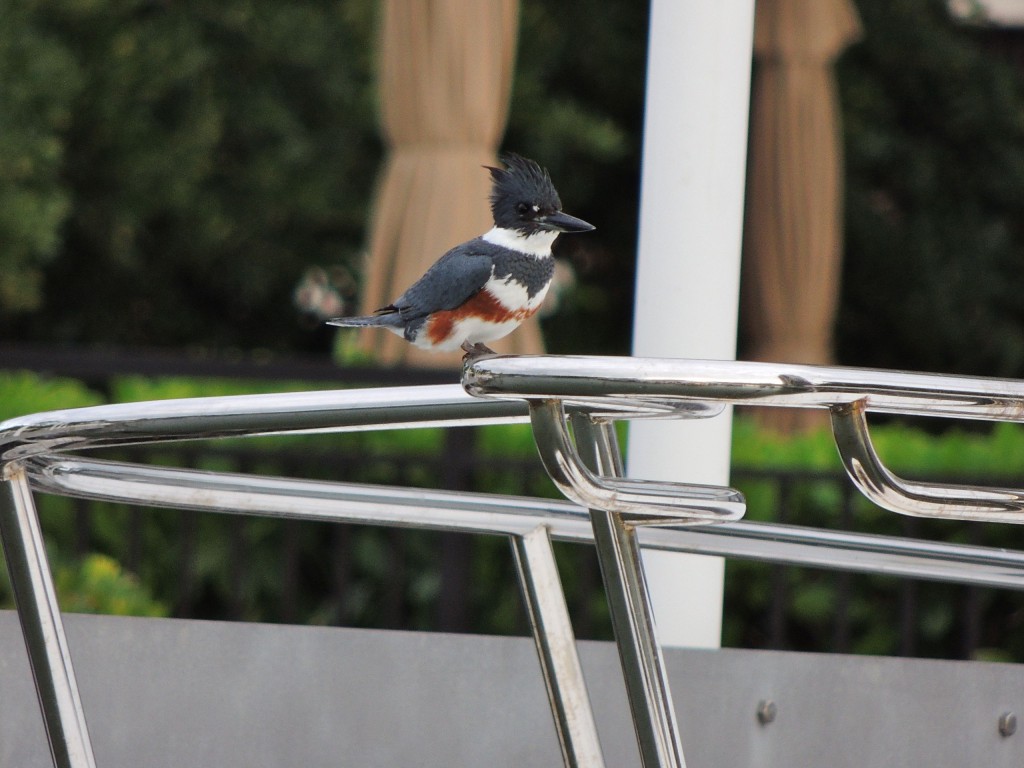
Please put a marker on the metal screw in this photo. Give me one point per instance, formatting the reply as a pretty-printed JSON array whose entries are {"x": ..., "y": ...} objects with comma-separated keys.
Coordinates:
[
  {"x": 1007, "y": 724},
  {"x": 767, "y": 710}
]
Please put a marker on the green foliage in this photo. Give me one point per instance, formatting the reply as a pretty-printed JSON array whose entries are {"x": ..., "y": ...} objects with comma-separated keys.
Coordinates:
[
  {"x": 755, "y": 448},
  {"x": 169, "y": 171},
  {"x": 934, "y": 128},
  {"x": 129, "y": 389},
  {"x": 996, "y": 451},
  {"x": 94, "y": 583},
  {"x": 39, "y": 83},
  {"x": 172, "y": 170},
  {"x": 207, "y": 152},
  {"x": 23, "y": 392},
  {"x": 98, "y": 584}
]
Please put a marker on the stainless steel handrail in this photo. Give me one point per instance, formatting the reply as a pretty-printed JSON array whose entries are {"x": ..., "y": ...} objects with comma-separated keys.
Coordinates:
[
  {"x": 848, "y": 393},
  {"x": 641, "y": 502},
  {"x": 41, "y": 624},
  {"x": 529, "y": 522},
  {"x": 588, "y": 392},
  {"x": 25, "y": 439},
  {"x": 202, "y": 418},
  {"x": 887, "y": 490},
  {"x": 343, "y": 410},
  {"x": 666, "y": 383},
  {"x": 233, "y": 493}
]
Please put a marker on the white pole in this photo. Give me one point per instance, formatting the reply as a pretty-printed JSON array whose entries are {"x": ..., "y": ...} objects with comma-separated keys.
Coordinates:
[{"x": 688, "y": 266}]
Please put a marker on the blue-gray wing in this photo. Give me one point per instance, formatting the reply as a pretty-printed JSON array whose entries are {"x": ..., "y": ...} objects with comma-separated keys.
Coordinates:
[{"x": 452, "y": 279}]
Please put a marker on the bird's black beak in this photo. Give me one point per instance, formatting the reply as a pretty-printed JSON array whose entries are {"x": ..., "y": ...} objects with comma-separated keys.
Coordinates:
[{"x": 563, "y": 222}]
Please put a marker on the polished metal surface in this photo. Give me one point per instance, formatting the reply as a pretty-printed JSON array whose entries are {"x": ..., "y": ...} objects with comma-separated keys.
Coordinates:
[
  {"x": 245, "y": 415},
  {"x": 640, "y": 501},
  {"x": 643, "y": 667},
  {"x": 42, "y": 629},
  {"x": 629, "y": 605},
  {"x": 487, "y": 513},
  {"x": 874, "y": 480},
  {"x": 344, "y": 410},
  {"x": 556, "y": 647},
  {"x": 623, "y": 512},
  {"x": 849, "y": 393},
  {"x": 667, "y": 382},
  {"x": 547, "y": 382},
  {"x": 25, "y": 437}
]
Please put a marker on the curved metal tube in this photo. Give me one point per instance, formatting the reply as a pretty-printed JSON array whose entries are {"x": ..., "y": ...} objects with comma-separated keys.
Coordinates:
[
  {"x": 295, "y": 499},
  {"x": 345, "y": 410},
  {"x": 642, "y": 502},
  {"x": 848, "y": 393},
  {"x": 653, "y": 381},
  {"x": 305, "y": 499},
  {"x": 243, "y": 415},
  {"x": 876, "y": 482},
  {"x": 41, "y": 625}
]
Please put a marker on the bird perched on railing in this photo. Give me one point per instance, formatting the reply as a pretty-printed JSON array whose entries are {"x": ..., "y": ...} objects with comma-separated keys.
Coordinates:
[{"x": 485, "y": 288}]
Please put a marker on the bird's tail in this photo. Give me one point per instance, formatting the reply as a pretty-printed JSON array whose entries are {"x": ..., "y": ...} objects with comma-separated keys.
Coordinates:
[{"x": 392, "y": 319}]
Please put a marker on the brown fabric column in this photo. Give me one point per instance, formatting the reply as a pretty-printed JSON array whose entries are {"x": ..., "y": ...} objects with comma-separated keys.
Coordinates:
[
  {"x": 793, "y": 233},
  {"x": 445, "y": 79}
]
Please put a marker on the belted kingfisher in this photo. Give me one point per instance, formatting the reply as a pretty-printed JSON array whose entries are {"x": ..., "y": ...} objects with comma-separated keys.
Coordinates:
[{"x": 483, "y": 289}]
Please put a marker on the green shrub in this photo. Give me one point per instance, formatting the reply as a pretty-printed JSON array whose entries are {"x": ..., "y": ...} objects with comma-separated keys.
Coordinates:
[
  {"x": 23, "y": 392},
  {"x": 98, "y": 584}
]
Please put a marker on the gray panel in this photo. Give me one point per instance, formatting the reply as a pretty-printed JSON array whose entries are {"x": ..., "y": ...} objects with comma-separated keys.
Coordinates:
[
  {"x": 844, "y": 711},
  {"x": 186, "y": 693}
]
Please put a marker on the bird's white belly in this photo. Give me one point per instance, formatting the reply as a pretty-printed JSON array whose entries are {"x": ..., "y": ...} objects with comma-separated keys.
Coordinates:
[
  {"x": 474, "y": 330},
  {"x": 513, "y": 295}
]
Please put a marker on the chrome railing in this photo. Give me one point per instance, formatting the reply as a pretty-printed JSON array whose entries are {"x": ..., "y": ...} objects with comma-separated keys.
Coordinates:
[
  {"x": 40, "y": 452},
  {"x": 547, "y": 383},
  {"x": 849, "y": 394}
]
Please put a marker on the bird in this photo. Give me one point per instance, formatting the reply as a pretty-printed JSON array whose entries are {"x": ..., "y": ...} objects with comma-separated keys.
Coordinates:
[{"x": 485, "y": 288}]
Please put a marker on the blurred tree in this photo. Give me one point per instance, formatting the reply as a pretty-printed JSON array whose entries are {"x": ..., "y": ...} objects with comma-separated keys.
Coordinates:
[
  {"x": 203, "y": 157},
  {"x": 38, "y": 81},
  {"x": 169, "y": 171},
  {"x": 935, "y": 196},
  {"x": 212, "y": 151},
  {"x": 577, "y": 107}
]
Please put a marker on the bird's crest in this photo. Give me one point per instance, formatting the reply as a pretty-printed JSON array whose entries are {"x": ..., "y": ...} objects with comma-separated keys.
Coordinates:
[{"x": 521, "y": 182}]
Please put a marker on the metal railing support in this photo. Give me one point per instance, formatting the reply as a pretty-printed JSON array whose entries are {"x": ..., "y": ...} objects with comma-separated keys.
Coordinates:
[
  {"x": 41, "y": 624},
  {"x": 629, "y": 604},
  {"x": 887, "y": 490},
  {"x": 587, "y": 468},
  {"x": 556, "y": 647}
]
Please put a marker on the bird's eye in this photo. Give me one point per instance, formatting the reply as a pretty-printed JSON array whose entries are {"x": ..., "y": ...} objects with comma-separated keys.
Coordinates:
[{"x": 522, "y": 209}]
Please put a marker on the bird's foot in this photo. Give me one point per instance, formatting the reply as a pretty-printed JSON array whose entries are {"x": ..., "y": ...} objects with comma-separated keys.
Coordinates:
[{"x": 474, "y": 351}]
